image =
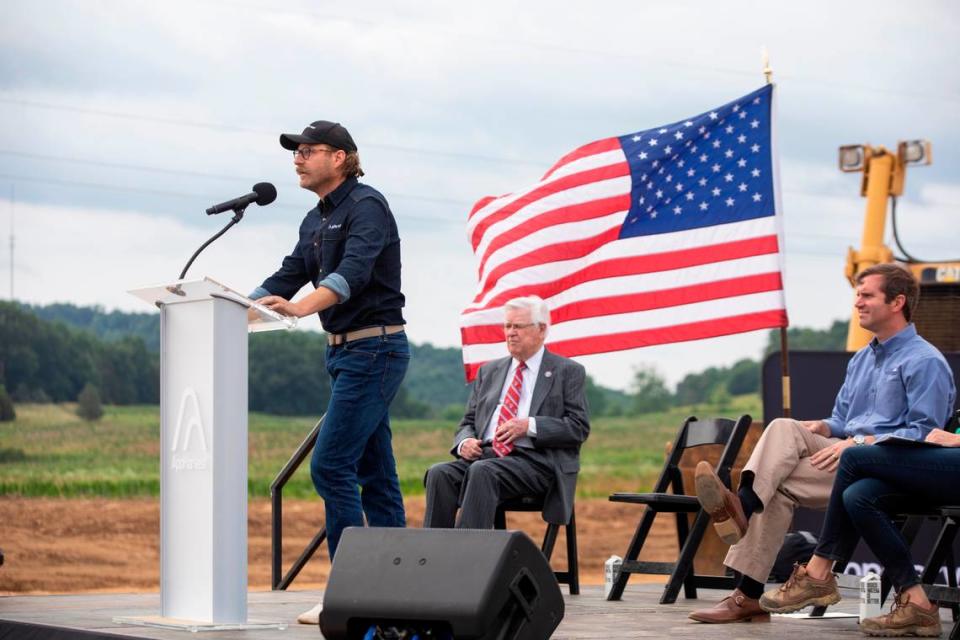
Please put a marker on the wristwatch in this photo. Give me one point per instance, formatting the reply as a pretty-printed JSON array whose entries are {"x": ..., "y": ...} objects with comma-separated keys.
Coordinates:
[{"x": 859, "y": 439}]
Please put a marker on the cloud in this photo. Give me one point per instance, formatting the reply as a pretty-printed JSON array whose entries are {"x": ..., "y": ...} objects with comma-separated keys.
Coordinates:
[
  {"x": 95, "y": 256},
  {"x": 136, "y": 116}
]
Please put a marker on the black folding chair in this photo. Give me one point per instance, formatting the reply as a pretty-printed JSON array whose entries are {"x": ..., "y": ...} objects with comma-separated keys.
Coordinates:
[
  {"x": 668, "y": 496},
  {"x": 941, "y": 555},
  {"x": 570, "y": 577}
]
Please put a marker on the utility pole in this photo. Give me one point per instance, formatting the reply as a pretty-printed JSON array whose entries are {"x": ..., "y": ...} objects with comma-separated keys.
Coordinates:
[{"x": 13, "y": 210}]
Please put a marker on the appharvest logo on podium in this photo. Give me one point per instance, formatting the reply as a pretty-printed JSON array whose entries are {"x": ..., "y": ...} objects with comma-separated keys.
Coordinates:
[{"x": 189, "y": 452}]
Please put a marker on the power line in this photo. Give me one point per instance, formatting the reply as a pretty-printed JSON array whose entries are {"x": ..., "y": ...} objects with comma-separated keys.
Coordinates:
[
  {"x": 164, "y": 170},
  {"x": 13, "y": 211},
  {"x": 462, "y": 204},
  {"x": 850, "y": 195},
  {"x": 109, "y": 187},
  {"x": 122, "y": 165},
  {"x": 181, "y": 194},
  {"x": 452, "y": 201},
  {"x": 526, "y": 43},
  {"x": 217, "y": 126},
  {"x": 195, "y": 196},
  {"x": 180, "y": 172},
  {"x": 131, "y": 116},
  {"x": 71, "y": 183}
]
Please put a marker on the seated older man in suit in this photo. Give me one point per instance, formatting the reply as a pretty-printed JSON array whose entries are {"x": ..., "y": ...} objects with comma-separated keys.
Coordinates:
[{"x": 521, "y": 434}]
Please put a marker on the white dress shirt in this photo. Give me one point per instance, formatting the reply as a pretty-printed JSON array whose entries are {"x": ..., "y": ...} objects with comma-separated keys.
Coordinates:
[{"x": 523, "y": 407}]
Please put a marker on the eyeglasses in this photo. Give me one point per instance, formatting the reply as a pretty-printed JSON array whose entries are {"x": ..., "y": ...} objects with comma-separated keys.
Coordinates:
[
  {"x": 306, "y": 152},
  {"x": 507, "y": 326}
]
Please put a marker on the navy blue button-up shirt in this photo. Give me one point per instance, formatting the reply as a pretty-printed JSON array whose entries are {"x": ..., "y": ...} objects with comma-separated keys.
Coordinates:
[
  {"x": 349, "y": 244},
  {"x": 901, "y": 387}
]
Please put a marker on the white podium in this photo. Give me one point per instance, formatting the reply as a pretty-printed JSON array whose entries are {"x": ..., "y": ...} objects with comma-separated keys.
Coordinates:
[{"x": 203, "y": 453}]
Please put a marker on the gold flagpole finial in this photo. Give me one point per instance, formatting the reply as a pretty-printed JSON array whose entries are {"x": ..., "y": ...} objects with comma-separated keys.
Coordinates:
[{"x": 767, "y": 71}]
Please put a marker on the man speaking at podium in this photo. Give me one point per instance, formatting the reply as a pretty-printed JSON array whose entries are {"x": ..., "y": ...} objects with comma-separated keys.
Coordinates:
[{"x": 349, "y": 250}]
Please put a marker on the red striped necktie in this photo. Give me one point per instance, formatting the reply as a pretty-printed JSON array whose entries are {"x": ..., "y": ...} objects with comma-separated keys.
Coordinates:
[{"x": 508, "y": 410}]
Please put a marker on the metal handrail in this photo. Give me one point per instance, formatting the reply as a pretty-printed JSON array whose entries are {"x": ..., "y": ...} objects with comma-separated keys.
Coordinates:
[{"x": 278, "y": 582}]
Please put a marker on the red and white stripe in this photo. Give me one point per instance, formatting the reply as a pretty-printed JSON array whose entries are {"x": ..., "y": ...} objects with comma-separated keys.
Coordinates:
[{"x": 559, "y": 239}]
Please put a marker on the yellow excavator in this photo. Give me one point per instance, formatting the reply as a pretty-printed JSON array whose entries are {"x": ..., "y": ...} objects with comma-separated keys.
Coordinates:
[{"x": 884, "y": 172}]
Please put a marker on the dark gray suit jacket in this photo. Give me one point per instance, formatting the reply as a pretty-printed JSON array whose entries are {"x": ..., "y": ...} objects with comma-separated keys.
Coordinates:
[{"x": 559, "y": 404}]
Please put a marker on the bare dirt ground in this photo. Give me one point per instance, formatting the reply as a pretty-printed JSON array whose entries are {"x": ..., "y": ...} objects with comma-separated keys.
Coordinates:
[{"x": 63, "y": 546}]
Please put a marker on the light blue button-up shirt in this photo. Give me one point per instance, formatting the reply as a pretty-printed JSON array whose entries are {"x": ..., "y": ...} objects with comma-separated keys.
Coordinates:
[{"x": 901, "y": 387}]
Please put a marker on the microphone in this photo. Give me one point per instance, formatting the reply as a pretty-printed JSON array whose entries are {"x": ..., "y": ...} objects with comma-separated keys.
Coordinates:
[{"x": 263, "y": 194}]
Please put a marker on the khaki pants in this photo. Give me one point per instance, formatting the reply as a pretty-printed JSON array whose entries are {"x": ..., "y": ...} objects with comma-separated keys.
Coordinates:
[{"x": 783, "y": 478}]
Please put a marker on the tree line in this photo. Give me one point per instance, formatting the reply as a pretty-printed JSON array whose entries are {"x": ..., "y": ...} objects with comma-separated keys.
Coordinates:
[
  {"x": 45, "y": 361},
  {"x": 49, "y": 353},
  {"x": 715, "y": 385}
]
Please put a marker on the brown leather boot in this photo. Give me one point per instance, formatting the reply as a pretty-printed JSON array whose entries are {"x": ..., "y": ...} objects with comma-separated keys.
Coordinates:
[
  {"x": 799, "y": 591},
  {"x": 904, "y": 619},
  {"x": 722, "y": 504},
  {"x": 736, "y": 607}
]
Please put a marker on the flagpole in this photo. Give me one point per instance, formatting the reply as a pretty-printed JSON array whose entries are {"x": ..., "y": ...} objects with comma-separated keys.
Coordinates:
[
  {"x": 784, "y": 346},
  {"x": 767, "y": 71}
]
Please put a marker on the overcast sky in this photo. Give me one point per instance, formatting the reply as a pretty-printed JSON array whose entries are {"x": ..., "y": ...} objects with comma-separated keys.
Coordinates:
[{"x": 123, "y": 120}]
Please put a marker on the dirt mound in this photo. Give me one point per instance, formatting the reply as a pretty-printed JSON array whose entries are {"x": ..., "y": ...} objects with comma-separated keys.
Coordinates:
[{"x": 61, "y": 546}]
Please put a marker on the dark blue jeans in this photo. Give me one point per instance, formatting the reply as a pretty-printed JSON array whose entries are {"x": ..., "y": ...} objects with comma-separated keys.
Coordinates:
[
  {"x": 354, "y": 447},
  {"x": 876, "y": 481}
]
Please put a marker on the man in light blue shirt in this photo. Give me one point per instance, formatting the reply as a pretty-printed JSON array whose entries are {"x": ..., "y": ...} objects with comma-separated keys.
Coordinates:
[
  {"x": 898, "y": 385},
  {"x": 901, "y": 387}
]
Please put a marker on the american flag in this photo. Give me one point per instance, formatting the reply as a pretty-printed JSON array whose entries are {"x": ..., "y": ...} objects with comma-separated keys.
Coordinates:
[{"x": 663, "y": 235}]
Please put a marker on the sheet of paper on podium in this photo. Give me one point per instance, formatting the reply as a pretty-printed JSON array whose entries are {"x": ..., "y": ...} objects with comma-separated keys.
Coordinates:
[{"x": 188, "y": 290}]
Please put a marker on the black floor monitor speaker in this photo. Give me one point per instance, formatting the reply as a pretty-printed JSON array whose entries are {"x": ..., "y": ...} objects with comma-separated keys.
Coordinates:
[{"x": 460, "y": 583}]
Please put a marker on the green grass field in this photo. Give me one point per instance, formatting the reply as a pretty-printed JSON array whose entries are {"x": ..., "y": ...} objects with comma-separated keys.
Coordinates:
[{"x": 49, "y": 451}]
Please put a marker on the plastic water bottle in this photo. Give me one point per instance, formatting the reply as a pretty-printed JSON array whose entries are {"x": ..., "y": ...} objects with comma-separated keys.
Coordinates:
[
  {"x": 611, "y": 569},
  {"x": 869, "y": 596}
]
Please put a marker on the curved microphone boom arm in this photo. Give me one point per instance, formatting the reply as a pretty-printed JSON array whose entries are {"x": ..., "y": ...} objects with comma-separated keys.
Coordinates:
[
  {"x": 237, "y": 217},
  {"x": 263, "y": 194}
]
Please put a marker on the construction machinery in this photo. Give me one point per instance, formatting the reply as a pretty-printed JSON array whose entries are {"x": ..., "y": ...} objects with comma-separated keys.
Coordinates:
[{"x": 884, "y": 172}]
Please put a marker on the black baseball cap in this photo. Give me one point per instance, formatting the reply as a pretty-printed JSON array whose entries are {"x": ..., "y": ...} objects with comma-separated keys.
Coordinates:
[{"x": 320, "y": 132}]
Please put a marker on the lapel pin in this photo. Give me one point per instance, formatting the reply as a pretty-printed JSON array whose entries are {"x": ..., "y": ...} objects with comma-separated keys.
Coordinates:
[{"x": 548, "y": 374}]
